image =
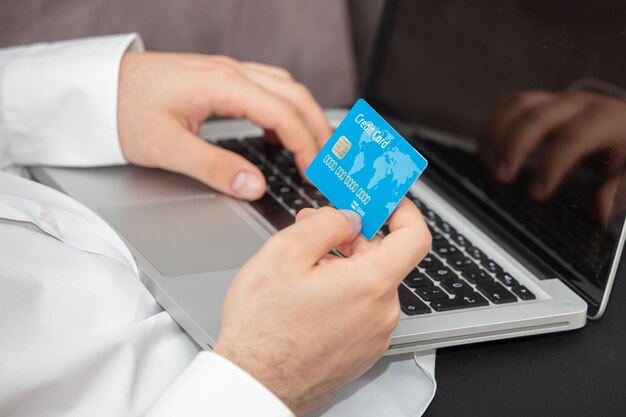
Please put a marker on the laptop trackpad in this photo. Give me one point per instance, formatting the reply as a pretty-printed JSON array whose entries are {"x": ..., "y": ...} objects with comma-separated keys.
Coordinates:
[{"x": 185, "y": 237}]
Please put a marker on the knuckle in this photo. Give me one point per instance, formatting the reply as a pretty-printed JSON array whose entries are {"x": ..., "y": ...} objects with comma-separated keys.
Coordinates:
[
  {"x": 301, "y": 90},
  {"x": 227, "y": 72},
  {"x": 534, "y": 115},
  {"x": 283, "y": 73},
  {"x": 226, "y": 60},
  {"x": 289, "y": 112}
]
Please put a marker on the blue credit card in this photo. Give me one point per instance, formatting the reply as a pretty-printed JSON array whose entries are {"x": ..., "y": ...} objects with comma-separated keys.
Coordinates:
[{"x": 366, "y": 166}]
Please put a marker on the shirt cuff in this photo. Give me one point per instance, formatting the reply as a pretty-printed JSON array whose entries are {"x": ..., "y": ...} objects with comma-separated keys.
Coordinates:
[
  {"x": 212, "y": 385},
  {"x": 59, "y": 101}
]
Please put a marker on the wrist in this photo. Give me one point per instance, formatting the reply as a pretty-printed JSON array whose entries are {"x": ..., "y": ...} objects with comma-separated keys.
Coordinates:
[{"x": 271, "y": 372}]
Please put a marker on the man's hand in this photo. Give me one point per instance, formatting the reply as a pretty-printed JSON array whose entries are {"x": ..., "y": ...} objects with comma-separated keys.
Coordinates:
[
  {"x": 164, "y": 98},
  {"x": 304, "y": 322},
  {"x": 572, "y": 125}
]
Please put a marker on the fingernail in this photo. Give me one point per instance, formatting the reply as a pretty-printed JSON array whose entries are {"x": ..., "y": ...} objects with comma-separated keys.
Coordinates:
[
  {"x": 354, "y": 219},
  {"x": 247, "y": 186}
]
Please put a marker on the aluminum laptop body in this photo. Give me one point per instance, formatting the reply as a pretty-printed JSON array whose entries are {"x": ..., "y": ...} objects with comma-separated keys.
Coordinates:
[{"x": 190, "y": 241}]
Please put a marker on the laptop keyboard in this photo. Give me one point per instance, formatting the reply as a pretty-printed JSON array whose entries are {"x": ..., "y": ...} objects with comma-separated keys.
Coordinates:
[
  {"x": 454, "y": 275},
  {"x": 550, "y": 222}
]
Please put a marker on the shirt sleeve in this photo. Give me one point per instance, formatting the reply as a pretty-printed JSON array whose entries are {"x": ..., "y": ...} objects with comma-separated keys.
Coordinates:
[
  {"x": 214, "y": 386},
  {"x": 58, "y": 102}
]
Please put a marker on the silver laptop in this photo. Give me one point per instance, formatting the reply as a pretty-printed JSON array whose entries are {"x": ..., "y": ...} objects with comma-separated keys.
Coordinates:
[{"x": 502, "y": 265}]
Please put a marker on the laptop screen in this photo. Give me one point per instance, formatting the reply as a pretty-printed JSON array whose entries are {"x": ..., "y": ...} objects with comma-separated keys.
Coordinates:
[{"x": 518, "y": 105}]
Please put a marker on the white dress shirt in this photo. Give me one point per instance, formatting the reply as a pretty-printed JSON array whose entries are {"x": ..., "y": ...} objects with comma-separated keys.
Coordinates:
[{"x": 79, "y": 333}]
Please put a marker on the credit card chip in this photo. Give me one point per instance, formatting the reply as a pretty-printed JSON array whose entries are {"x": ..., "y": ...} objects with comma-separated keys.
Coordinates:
[{"x": 341, "y": 147}]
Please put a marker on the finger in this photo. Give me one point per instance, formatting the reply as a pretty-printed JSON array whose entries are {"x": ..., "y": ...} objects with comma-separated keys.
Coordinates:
[
  {"x": 223, "y": 170},
  {"x": 498, "y": 120},
  {"x": 408, "y": 241},
  {"x": 605, "y": 197},
  {"x": 529, "y": 129},
  {"x": 272, "y": 70},
  {"x": 299, "y": 96},
  {"x": 304, "y": 213},
  {"x": 316, "y": 232},
  {"x": 237, "y": 96},
  {"x": 358, "y": 244},
  {"x": 589, "y": 133}
]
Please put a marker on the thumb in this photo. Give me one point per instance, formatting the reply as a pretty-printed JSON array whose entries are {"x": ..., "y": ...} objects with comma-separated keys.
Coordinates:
[
  {"x": 219, "y": 168},
  {"x": 316, "y": 233}
]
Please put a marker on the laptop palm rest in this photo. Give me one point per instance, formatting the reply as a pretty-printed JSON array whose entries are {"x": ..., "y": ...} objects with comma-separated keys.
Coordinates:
[{"x": 186, "y": 236}]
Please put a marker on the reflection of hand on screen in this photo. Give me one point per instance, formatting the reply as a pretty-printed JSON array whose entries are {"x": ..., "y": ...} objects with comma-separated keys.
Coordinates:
[{"x": 570, "y": 126}]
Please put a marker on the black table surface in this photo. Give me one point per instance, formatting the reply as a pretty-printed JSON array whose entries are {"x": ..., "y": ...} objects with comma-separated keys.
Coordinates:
[{"x": 577, "y": 373}]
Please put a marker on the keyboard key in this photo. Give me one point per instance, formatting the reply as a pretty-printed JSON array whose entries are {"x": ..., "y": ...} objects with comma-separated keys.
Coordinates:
[
  {"x": 523, "y": 293},
  {"x": 409, "y": 303},
  {"x": 257, "y": 142},
  {"x": 297, "y": 203},
  {"x": 421, "y": 206},
  {"x": 439, "y": 240},
  {"x": 431, "y": 215},
  {"x": 291, "y": 171},
  {"x": 429, "y": 260},
  {"x": 298, "y": 181},
  {"x": 279, "y": 159},
  {"x": 456, "y": 286},
  {"x": 431, "y": 293},
  {"x": 266, "y": 149},
  {"x": 439, "y": 272},
  {"x": 274, "y": 181},
  {"x": 466, "y": 300},
  {"x": 495, "y": 292},
  {"x": 445, "y": 226},
  {"x": 447, "y": 250},
  {"x": 461, "y": 263},
  {"x": 460, "y": 240},
  {"x": 273, "y": 212},
  {"x": 284, "y": 191},
  {"x": 492, "y": 266},
  {"x": 312, "y": 192},
  {"x": 416, "y": 279},
  {"x": 476, "y": 275},
  {"x": 249, "y": 156},
  {"x": 265, "y": 169},
  {"x": 507, "y": 280},
  {"x": 233, "y": 145},
  {"x": 321, "y": 201},
  {"x": 476, "y": 253}
]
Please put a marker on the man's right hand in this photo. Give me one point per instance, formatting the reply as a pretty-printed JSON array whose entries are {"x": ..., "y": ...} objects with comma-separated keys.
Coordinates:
[{"x": 304, "y": 322}]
